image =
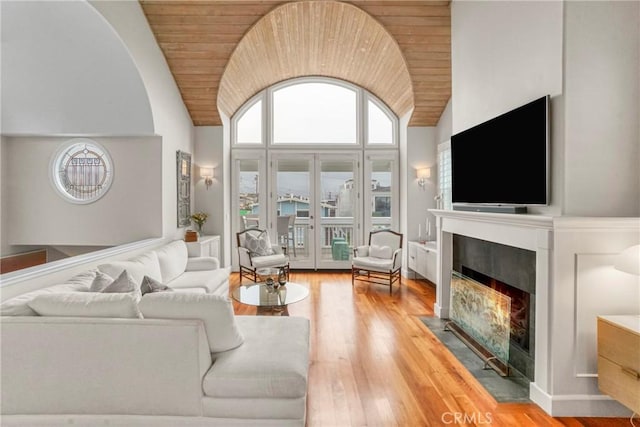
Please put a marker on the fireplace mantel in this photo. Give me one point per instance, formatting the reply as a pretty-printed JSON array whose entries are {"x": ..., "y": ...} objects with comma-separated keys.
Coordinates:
[{"x": 568, "y": 294}]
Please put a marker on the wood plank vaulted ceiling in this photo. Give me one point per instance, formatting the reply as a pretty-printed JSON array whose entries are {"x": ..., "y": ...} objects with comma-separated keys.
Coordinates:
[{"x": 199, "y": 37}]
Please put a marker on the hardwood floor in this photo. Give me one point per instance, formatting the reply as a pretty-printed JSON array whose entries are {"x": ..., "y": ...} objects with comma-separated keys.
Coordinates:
[{"x": 373, "y": 362}]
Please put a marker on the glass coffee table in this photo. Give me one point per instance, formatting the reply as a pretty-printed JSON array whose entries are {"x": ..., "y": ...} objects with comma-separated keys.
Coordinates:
[{"x": 270, "y": 299}]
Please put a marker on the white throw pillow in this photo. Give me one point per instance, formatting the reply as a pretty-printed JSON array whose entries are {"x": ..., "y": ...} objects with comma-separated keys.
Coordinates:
[
  {"x": 143, "y": 265},
  {"x": 215, "y": 311},
  {"x": 173, "y": 260},
  {"x": 86, "y": 304},
  {"x": 384, "y": 252},
  {"x": 258, "y": 245}
]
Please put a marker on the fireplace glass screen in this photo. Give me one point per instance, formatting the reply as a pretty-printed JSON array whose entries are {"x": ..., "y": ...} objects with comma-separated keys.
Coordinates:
[{"x": 483, "y": 313}]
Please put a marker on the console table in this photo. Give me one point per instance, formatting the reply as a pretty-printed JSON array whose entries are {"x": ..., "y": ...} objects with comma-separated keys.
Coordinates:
[
  {"x": 423, "y": 259},
  {"x": 205, "y": 246}
]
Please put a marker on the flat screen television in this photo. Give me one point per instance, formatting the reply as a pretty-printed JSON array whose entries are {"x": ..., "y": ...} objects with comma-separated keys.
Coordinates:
[{"x": 505, "y": 160}]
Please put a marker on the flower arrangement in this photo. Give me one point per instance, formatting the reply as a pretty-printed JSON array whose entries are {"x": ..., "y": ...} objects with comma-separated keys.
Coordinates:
[{"x": 199, "y": 218}]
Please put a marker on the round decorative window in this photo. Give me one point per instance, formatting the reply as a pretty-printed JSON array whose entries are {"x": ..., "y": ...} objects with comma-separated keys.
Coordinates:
[{"x": 82, "y": 171}]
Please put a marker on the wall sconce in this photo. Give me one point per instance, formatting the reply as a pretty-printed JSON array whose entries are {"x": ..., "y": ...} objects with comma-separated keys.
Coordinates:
[
  {"x": 207, "y": 174},
  {"x": 629, "y": 260},
  {"x": 423, "y": 174}
]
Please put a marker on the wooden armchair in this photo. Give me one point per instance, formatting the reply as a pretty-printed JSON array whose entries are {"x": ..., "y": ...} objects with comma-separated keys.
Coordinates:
[
  {"x": 255, "y": 252},
  {"x": 380, "y": 261}
]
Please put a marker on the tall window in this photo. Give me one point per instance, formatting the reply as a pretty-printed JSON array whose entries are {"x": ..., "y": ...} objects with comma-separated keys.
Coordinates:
[{"x": 444, "y": 175}]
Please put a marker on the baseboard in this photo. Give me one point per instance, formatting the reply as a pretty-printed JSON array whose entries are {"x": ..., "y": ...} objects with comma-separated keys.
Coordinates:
[
  {"x": 441, "y": 312},
  {"x": 577, "y": 405}
]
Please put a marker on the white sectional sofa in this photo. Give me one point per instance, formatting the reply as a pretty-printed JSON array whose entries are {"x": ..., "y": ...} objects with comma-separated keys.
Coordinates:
[{"x": 167, "y": 359}]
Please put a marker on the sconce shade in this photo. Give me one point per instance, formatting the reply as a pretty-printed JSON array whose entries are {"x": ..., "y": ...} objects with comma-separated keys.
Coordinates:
[
  {"x": 206, "y": 172},
  {"x": 629, "y": 260},
  {"x": 424, "y": 173}
]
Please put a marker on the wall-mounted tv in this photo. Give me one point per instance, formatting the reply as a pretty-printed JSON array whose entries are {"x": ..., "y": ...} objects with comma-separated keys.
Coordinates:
[{"x": 505, "y": 160}]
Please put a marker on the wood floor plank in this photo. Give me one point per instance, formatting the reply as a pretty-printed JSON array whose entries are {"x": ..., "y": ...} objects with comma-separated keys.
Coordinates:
[{"x": 374, "y": 363}]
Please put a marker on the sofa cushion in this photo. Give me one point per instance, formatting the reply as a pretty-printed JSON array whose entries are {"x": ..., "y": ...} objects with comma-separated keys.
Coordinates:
[
  {"x": 19, "y": 306},
  {"x": 273, "y": 362},
  {"x": 212, "y": 281},
  {"x": 150, "y": 285},
  {"x": 172, "y": 259},
  {"x": 86, "y": 304},
  {"x": 144, "y": 265},
  {"x": 215, "y": 312},
  {"x": 202, "y": 263}
]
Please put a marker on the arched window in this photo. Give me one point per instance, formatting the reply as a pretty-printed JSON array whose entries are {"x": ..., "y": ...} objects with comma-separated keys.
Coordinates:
[{"x": 314, "y": 111}]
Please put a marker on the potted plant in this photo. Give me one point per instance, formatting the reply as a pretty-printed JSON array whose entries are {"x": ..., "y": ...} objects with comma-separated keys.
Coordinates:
[{"x": 199, "y": 218}]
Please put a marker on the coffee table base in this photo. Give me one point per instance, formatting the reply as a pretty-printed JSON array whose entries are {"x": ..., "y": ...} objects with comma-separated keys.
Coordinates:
[{"x": 273, "y": 311}]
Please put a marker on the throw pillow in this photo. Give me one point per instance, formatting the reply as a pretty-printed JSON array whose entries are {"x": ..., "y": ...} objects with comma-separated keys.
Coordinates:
[
  {"x": 86, "y": 304},
  {"x": 150, "y": 285},
  {"x": 144, "y": 265},
  {"x": 384, "y": 252},
  {"x": 258, "y": 245},
  {"x": 216, "y": 312},
  {"x": 123, "y": 284},
  {"x": 100, "y": 282}
]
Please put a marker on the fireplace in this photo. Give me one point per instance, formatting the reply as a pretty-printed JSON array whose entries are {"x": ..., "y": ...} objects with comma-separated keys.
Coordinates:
[{"x": 511, "y": 272}]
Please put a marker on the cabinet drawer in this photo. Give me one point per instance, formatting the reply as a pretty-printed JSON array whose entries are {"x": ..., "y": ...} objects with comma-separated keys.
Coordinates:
[
  {"x": 619, "y": 345},
  {"x": 619, "y": 383}
]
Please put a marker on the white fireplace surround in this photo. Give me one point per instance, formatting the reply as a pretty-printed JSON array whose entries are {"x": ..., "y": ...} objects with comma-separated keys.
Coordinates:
[{"x": 575, "y": 282}]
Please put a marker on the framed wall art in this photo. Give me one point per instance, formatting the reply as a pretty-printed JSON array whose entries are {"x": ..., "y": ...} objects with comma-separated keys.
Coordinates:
[{"x": 183, "y": 174}]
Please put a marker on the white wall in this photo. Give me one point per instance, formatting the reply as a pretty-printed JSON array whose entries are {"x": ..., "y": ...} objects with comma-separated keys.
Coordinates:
[
  {"x": 444, "y": 127},
  {"x": 505, "y": 54},
  {"x": 35, "y": 214},
  {"x": 602, "y": 108},
  {"x": 65, "y": 72},
  {"x": 209, "y": 151},
  {"x": 422, "y": 153},
  {"x": 170, "y": 116}
]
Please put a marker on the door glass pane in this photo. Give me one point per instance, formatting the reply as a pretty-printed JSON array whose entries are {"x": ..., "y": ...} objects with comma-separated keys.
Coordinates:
[
  {"x": 381, "y": 198},
  {"x": 293, "y": 205},
  {"x": 338, "y": 199},
  {"x": 380, "y": 125},
  {"x": 249, "y": 203},
  {"x": 314, "y": 113},
  {"x": 249, "y": 126}
]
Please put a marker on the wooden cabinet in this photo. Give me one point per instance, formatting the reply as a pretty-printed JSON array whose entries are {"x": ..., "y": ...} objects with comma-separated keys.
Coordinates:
[
  {"x": 205, "y": 246},
  {"x": 619, "y": 359},
  {"x": 423, "y": 259}
]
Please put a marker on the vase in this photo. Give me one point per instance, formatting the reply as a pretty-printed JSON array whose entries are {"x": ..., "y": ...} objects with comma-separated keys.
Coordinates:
[{"x": 200, "y": 229}]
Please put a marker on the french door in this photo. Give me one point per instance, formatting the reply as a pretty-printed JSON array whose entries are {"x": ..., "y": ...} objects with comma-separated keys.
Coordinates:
[{"x": 315, "y": 207}]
